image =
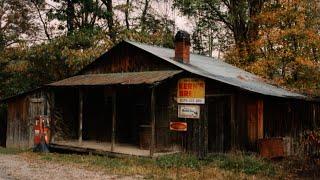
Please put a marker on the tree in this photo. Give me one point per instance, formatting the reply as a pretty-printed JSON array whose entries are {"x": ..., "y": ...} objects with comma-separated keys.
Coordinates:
[
  {"x": 88, "y": 15},
  {"x": 288, "y": 45},
  {"x": 15, "y": 21},
  {"x": 235, "y": 15}
]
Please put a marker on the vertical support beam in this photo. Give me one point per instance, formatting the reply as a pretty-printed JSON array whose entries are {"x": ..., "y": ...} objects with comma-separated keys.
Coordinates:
[
  {"x": 80, "y": 114},
  {"x": 114, "y": 116},
  {"x": 233, "y": 122},
  {"x": 260, "y": 119},
  {"x": 255, "y": 121},
  {"x": 205, "y": 130},
  {"x": 51, "y": 113},
  {"x": 153, "y": 122}
]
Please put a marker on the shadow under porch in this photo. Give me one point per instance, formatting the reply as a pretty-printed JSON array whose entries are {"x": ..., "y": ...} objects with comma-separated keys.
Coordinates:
[{"x": 118, "y": 119}]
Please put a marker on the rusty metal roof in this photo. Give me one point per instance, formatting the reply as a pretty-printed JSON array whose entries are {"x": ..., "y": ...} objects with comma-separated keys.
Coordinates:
[
  {"x": 221, "y": 71},
  {"x": 128, "y": 78}
]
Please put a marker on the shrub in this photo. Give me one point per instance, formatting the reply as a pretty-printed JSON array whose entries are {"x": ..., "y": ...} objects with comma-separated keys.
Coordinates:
[{"x": 310, "y": 142}]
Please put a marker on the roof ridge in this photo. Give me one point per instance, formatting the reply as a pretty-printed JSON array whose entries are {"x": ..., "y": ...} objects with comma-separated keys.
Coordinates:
[{"x": 156, "y": 46}]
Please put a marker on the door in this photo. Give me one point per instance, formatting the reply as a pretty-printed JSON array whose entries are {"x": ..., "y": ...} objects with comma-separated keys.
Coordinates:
[
  {"x": 36, "y": 108},
  {"x": 219, "y": 120}
]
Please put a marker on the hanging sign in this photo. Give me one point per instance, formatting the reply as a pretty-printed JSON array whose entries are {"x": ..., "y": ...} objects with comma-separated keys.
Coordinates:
[
  {"x": 178, "y": 126},
  {"x": 189, "y": 111},
  {"x": 191, "y": 91}
]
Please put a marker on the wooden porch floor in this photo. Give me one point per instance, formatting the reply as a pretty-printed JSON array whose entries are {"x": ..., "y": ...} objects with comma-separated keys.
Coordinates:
[{"x": 105, "y": 148}]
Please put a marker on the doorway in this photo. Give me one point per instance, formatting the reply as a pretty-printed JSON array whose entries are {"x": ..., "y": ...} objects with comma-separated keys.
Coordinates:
[
  {"x": 3, "y": 126},
  {"x": 219, "y": 124},
  {"x": 132, "y": 115}
]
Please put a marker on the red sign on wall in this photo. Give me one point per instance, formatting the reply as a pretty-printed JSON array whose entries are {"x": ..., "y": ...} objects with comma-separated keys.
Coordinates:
[
  {"x": 178, "y": 126},
  {"x": 191, "y": 91}
]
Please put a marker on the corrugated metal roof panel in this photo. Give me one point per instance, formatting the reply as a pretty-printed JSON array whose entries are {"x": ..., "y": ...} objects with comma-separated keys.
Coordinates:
[
  {"x": 218, "y": 70},
  {"x": 128, "y": 78}
]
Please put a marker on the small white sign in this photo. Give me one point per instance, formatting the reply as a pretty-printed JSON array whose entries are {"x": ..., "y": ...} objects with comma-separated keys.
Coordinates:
[
  {"x": 191, "y": 100},
  {"x": 189, "y": 111}
]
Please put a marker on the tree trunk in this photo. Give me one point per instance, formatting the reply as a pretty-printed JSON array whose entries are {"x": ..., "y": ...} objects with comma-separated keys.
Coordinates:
[
  {"x": 238, "y": 13},
  {"x": 255, "y": 7},
  {"x": 245, "y": 33},
  {"x": 108, "y": 4},
  {"x": 126, "y": 12},
  {"x": 70, "y": 16},
  {"x": 144, "y": 14}
]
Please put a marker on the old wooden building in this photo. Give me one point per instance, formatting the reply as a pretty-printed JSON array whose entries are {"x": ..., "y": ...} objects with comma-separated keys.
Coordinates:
[{"x": 146, "y": 100}]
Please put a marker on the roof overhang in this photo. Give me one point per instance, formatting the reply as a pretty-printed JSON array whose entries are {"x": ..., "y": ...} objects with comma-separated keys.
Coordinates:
[{"x": 127, "y": 78}]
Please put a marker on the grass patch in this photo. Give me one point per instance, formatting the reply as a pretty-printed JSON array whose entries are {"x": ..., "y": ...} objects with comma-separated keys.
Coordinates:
[
  {"x": 176, "y": 166},
  {"x": 11, "y": 150},
  {"x": 239, "y": 162},
  {"x": 179, "y": 160}
]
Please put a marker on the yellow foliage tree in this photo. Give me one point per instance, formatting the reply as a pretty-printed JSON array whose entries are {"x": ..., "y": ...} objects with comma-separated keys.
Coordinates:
[{"x": 288, "y": 47}]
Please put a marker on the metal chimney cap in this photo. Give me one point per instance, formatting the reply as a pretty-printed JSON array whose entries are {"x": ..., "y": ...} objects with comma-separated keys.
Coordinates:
[{"x": 182, "y": 36}]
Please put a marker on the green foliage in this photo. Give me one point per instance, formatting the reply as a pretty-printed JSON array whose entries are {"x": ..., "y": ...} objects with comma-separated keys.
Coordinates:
[
  {"x": 248, "y": 164},
  {"x": 179, "y": 161},
  {"x": 229, "y": 22}
]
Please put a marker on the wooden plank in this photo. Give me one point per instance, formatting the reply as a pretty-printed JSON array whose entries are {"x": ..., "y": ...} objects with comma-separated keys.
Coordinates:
[
  {"x": 114, "y": 116},
  {"x": 260, "y": 119},
  {"x": 80, "y": 115},
  {"x": 255, "y": 121},
  {"x": 153, "y": 122},
  {"x": 51, "y": 102}
]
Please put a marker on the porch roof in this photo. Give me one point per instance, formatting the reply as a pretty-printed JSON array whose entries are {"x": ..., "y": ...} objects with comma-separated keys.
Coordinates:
[{"x": 127, "y": 78}]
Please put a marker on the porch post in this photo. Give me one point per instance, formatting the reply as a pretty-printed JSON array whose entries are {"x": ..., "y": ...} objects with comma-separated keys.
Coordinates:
[
  {"x": 153, "y": 122},
  {"x": 51, "y": 113},
  {"x": 114, "y": 111},
  {"x": 80, "y": 115}
]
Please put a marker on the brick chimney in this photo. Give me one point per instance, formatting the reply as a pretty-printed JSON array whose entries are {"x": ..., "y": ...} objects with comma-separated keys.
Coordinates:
[{"x": 182, "y": 47}]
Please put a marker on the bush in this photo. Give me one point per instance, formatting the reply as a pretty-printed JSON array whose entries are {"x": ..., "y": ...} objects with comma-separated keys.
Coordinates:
[{"x": 310, "y": 142}]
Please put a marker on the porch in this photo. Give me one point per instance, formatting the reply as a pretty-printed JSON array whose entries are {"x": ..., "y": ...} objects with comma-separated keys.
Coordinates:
[
  {"x": 105, "y": 148},
  {"x": 109, "y": 113}
]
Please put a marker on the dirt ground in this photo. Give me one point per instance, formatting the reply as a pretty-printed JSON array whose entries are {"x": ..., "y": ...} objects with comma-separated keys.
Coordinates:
[{"x": 20, "y": 167}]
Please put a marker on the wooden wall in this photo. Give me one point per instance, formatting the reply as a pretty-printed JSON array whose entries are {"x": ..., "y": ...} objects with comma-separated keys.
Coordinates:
[
  {"x": 21, "y": 119},
  {"x": 127, "y": 58},
  {"x": 284, "y": 117}
]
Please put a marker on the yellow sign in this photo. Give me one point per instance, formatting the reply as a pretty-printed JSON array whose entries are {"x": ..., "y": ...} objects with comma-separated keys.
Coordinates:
[{"x": 191, "y": 91}]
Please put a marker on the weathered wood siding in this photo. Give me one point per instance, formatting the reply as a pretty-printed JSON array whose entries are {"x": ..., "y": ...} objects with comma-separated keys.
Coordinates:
[
  {"x": 126, "y": 58},
  {"x": 289, "y": 117},
  {"x": 21, "y": 119},
  {"x": 18, "y": 128}
]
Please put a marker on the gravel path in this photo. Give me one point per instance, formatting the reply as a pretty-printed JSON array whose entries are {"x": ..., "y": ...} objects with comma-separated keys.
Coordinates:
[{"x": 19, "y": 167}]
